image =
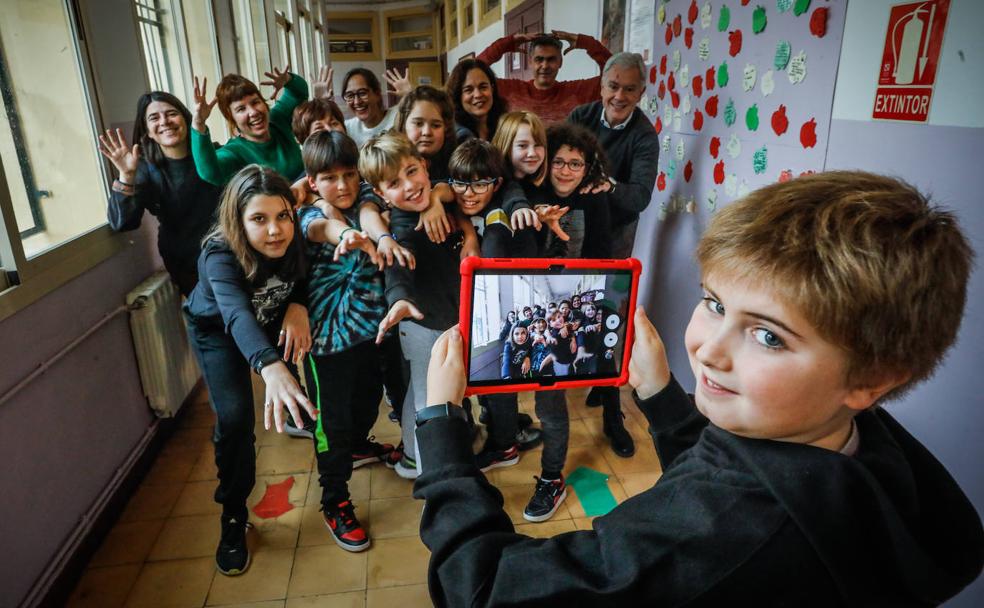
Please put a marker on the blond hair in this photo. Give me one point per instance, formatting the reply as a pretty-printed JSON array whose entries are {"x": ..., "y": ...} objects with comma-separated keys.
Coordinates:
[
  {"x": 874, "y": 267},
  {"x": 506, "y": 132},
  {"x": 382, "y": 156}
]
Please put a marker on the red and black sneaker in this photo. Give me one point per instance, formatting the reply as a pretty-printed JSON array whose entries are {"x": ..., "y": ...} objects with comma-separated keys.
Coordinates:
[
  {"x": 344, "y": 527},
  {"x": 371, "y": 452},
  {"x": 394, "y": 457},
  {"x": 494, "y": 459}
]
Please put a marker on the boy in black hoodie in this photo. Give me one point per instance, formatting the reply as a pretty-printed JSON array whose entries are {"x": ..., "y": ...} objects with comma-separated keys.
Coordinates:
[{"x": 785, "y": 482}]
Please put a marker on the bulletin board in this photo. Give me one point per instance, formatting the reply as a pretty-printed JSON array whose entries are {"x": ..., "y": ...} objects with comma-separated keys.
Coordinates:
[{"x": 741, "y": 94}]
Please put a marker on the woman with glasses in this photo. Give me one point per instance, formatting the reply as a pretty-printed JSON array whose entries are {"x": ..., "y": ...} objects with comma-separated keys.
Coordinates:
[{"x": 364, "y": 97}]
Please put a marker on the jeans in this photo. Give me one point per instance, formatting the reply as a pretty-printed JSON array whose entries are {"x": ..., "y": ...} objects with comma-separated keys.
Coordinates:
[
  {"x": 346, "y": 388},
  {"x": 417, "y": 342}
]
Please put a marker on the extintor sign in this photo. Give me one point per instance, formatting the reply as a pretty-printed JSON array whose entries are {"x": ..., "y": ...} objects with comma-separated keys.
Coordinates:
[{"x": 908, "y": 67}]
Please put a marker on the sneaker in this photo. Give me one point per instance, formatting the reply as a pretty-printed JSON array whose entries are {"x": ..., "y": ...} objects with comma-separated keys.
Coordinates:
[
  {"x": 494, "y": 459},
  {"x": 232, "y": 557},
  {"x": 394, "y": 457},
  {"x": 528, "y": 438},
  {"x": 547, "y": 497},
  {"x": 344, "y": 527},
  {"x": 371, "y": 452},
  {"x": 594, "y": 398},
  {"x": 293, "y": 431},
  {"x": 407, "y": 468}
]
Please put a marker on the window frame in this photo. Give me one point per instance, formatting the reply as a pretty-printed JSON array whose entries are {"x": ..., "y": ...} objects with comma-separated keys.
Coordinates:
[
  {"x": 466, "y": 32},
  {"x": 489, "y": 16}
]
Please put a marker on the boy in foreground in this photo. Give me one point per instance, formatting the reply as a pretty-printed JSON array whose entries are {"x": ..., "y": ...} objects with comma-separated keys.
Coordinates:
[{"x": 784, "y": 481}]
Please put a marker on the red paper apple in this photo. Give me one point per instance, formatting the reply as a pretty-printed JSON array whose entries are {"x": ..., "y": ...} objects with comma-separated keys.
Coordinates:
[
  {"x": 698, "y": 84},
  {"x": 661, "y": 91},
  {"x": 709, "y": 78},
  {"x": 719, "y": 172},
  {"x": 818, "y": 22},
  {"x": 698, "y": 120},
  {"x": 659, "y": 125},
  {"x": 668, "y": 37},
  {"x": 653, "y": 74},
  {"x": 671, "y": 82},
  {"x": 692, "y": 12},
  {"x": 711, "y": 106},
  {"x": 688, "y": 170},
  {"x": 688, "y": 37},
  {"x": 779, "y": 121},
  {"x": 661, "y": 181},
  {"x": 734, "y": 41},
  {"x": 715, "y": 146},
  {"x": 677, "y": 25},
  {"x": 675, "y": 99},
  {"x": 662, "y": 65},
  {"x": 786, "y": 175},
  {"x": 808, "y": 133}
]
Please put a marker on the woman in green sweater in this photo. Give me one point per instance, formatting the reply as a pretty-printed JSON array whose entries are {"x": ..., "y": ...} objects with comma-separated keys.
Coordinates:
[{"x": 261, "y": 135}]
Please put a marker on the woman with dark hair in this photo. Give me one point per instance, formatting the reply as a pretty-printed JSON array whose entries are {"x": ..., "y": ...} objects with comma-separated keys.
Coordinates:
[
  {"x": 261, "y": 135},
  {"x": 475, "y": 95},
  {"x": 157, "y": 174},
  {"x": 364, "y": 96},
  {"x": 248, "y": 312}
]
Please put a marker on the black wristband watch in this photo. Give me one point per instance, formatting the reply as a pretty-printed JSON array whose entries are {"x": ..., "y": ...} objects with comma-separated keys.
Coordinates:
[
  {"x": 446, "y": 410},
  {"x": 269, "y": 357}
]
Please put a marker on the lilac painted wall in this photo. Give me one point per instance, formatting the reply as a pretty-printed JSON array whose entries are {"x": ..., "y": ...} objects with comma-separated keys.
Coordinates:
[{"x": 64, "y": 435}]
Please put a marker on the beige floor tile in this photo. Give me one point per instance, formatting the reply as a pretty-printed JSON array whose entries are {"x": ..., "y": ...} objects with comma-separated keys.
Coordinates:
[
  {"x": 297, "y": 495},
  {"x": 204, "y": 469},
  {"x": 277, "y": 532},
  {"x": 198, "y": 416},
  {"x": 326, "y": 569},
  {"x": 127, "y": 543},
  {"x": 385, "y": 430},
  {"x": 273, "y": 438},
  {"x": 637, "y": 483},
  {"x": 197, "y": 498},
  {"x": 171, "y": 467},
  {"x": 643, "y": 461},
  {"x": 352, "y": 599},
  {"x": 152, "y": 501},
  {"x": 268, "y": 604},
  {"x": 393, "y": 517},
  {"x": 313, "y": 531},
  {"x": 516, "y": 498},
  {"x": 519, "y": 474},
  {"x": 385, "y": 483},
  {"x": 294, "y": 457},
  {"x": 546, "y": 529},
  {"x": 411, "y": 596},
  {"x": 186, "y": 537},
  {"x": 581, "y": 435},
  {"x": 592, "y": 458},
  {"x": 574, "y": 503},
  {"x": 397, "y": 561},
  {"x": 173, "y": 584},
  {"x": 361, "y": 482},
  {"x": 104, "y": 587},
  {"x": 188, "y": 439},
  {"x": 266, "y": 579},
  {"x": 583, "y": 523}
]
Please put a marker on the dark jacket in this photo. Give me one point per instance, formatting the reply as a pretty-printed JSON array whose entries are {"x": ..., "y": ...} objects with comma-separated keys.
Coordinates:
[
  {"x": 588, "y": 223},
  {"x": 226, "y": 301},
  {"x": 632, "y": 156},
  {"x": 183, "y": 203},
  {"x": 732, "y": 521}
]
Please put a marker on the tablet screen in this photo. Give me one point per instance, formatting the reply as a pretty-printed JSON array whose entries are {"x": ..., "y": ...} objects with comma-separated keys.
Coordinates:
[{"x": 540, "y": 326}]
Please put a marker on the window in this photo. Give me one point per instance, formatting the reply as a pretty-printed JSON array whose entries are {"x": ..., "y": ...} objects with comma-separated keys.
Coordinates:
[
  {"x": 486, "y": 300},
  {"x": 203, "y": 55},
  {"x": 410, "y": 33},
  {"x": 161, "y": 37},
  {"x": 352, "y": 36},
  {"x": 55, "y": 180},
  {"x": 467, "y": 19},
  {"x": 246, "y": 51},
  {"x": 309, "y": 71},
  {"x": 451, "y": 10},
  {"x": 491, "y": 12}
]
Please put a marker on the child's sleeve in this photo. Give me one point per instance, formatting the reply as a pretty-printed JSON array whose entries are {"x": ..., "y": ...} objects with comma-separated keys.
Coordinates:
[
  {"x": 674, "y": 421},
  {"x": 399, "y": 279},
  {"x": 506, "y": 357},
  {"x": 513, "y": 197},
  {"x": 294, "y": 93}
]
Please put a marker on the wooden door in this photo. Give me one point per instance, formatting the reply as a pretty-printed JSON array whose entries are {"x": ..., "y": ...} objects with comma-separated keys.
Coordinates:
[{"x": 527, "y": 18}]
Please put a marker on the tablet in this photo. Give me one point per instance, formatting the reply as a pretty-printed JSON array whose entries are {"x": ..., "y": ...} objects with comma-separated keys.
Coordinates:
[{"x": 539, "y": 324}]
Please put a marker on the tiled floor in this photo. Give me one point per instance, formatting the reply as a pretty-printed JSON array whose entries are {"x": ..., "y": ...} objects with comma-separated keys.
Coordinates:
[{"x": 161, "y": 552}]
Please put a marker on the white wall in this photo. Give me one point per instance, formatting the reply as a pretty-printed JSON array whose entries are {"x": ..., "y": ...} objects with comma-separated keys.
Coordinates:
[{"x": 959, "y": 90}]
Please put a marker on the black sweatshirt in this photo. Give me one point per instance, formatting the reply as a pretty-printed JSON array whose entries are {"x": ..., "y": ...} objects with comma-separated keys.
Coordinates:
[
  {"x": 184, "y": 205},
  {"x": 632, "y": 156},
  {"x": 732, "y": 521},
  {"x": 589, "y": 216},
  {"x": 224, "y": 300}
]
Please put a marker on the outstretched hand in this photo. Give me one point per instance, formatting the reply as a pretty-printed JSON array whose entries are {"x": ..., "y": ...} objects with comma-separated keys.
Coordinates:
[
  {"x": 354, "y": 240},
  {"x": 278, "y": 79},
  {"x": 203, "y": 107},
  {"x": 113, "y": 146},
  {"x": 400, "y": 84},
  {"x": 322, "y": 88},
  {"x": 446, "y": 379},
  {"x": 401, "y": 309},
  {"x": 649, "y": 371},
  {"x": 550, "y": 216}
]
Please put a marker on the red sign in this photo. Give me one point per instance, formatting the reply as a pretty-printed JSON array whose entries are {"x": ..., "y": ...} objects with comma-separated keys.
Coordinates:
[{"x": 908, "y": 68}]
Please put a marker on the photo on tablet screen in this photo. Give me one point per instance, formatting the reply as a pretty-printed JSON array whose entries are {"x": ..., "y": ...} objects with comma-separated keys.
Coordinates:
[{"x": 529, "y": 326}]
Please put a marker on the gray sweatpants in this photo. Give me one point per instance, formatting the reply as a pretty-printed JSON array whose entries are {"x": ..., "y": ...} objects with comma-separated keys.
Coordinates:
[{"x": 417, "y": 342}]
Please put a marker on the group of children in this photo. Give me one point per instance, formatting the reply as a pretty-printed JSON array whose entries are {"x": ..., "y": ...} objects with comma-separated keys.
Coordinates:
[
  {"x": 554, "y": 341},
  {"x": 344, "y": 262}
]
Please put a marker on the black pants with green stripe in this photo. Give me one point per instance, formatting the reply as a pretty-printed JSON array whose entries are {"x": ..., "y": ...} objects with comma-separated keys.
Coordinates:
[{"x": 346, "y": 387}]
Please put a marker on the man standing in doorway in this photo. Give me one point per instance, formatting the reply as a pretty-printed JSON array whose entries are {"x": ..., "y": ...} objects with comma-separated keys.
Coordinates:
[
  {"x": 632, "y": 147},
  {"x": 545, "y": 96}
]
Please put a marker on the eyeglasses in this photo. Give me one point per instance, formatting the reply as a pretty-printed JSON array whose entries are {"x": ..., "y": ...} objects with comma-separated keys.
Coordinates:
[
  {"x": 362, "y": 94},
  {"x": 574, "y": 165},
  {"x": 480, "y": 186}
]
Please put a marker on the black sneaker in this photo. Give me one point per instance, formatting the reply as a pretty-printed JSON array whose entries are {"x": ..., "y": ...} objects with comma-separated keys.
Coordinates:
[
  {"x": 232, "y": 557},
  {"x": 594, "y": 398},
  {"x": 344, "y": 527},
  {"x": 547, "y": 497},
  {"x": 494, "y": 459},
  {"x": 528, "y": 438},
  {"x": 371, "y": 452},
  {"x": 523, "y": 420},
  {"x": 614, "y": 428}
]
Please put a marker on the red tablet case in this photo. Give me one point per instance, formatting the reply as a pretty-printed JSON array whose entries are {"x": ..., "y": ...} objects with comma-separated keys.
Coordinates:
[{"x": 471, "y": 264}]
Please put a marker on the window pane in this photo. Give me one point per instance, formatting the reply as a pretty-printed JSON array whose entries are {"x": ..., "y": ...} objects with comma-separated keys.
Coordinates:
[
  {"x": 161, "y": 49},
  {"x": 47, "y": 139},
  {"x": 415, "y": 23},
  {"x": 347, "y": 27},
  {"x": 261, "y": 41},
  {"x": 245, "y": 48},
  {"x": 204, "y": 55}
]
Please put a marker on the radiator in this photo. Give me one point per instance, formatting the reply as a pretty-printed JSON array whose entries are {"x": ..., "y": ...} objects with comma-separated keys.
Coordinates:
[{"x": 168, "y": 370}]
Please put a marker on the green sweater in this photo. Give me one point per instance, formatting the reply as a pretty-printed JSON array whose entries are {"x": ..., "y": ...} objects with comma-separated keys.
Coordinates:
[{"x": 281, "y": 153}]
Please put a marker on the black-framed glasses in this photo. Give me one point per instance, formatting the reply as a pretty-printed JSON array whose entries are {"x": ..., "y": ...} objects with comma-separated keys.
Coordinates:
[
  {"x": 362, "y": 94},
  {"x": 574, "y": 165},
  {"x": 479, "y": 186}
]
